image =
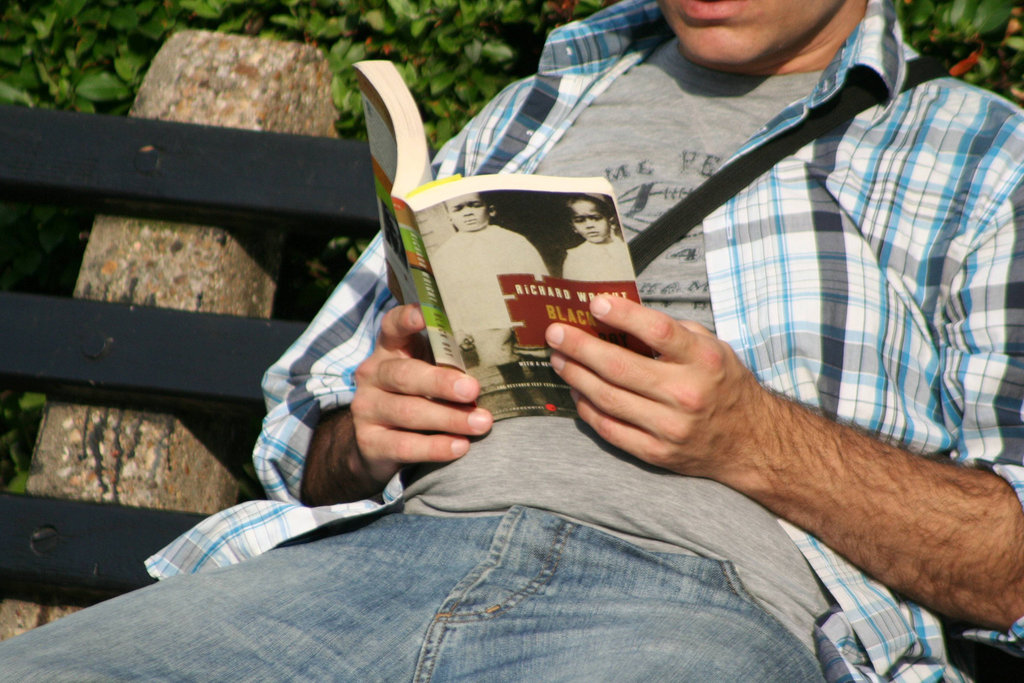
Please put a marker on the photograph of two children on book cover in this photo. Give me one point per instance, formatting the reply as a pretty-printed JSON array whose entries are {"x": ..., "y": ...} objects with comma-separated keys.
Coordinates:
[{"x": 508, "y": 264}]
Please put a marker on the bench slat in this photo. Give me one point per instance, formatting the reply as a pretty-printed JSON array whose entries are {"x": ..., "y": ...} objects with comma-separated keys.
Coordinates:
[
  {"x": 208, "y": 175},
  {"x": 123, "y": 353},
  {"x": 74, "y": 545}
]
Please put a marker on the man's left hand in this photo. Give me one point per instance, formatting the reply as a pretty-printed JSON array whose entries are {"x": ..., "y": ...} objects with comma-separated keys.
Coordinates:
[{"x": 693, "y": 409}]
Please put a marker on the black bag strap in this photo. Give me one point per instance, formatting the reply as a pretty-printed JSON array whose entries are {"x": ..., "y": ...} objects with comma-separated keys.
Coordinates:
[{"x": 863, "y": 89}]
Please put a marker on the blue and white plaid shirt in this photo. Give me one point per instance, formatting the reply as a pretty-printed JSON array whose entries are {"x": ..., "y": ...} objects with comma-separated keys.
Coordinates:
[{"x": 878, "y": 274}]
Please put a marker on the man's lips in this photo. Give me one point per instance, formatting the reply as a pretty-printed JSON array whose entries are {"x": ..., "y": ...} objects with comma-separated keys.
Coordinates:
[{"x": 710, "y": 10}]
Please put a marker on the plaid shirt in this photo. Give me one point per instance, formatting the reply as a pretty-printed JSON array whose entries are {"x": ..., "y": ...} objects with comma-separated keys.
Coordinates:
[{"x": 877, "y": 274}]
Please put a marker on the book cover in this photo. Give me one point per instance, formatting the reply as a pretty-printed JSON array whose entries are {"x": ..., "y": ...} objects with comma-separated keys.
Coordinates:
[{"x": 493, "y": 259}]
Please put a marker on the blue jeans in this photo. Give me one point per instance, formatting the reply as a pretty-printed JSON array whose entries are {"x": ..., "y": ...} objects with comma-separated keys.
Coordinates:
[{"x": 524, "y": 596}]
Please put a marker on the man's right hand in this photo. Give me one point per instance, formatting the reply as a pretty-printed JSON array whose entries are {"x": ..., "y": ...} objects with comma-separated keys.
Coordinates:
[{"x": 405, "y": 411}]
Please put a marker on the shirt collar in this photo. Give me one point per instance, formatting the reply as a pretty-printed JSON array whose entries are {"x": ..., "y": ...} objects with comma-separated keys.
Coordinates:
[
  {"x": 875, "y": 44},
  {"x": 590, "y": 46}
]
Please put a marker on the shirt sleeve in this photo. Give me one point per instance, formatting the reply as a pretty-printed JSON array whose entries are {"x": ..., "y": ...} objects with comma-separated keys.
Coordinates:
[
  {"x": 984, "y": 364},
  {"x": 316, "y": 374}
]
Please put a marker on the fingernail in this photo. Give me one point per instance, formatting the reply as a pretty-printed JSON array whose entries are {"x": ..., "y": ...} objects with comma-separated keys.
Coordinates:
[
  {"x": 555, "y": 334},
  {"x": 464, "y": 389},
  {"x": 460, "y": 447},
  {"x": 557, "y": 361},
  {"x": 600, "y": 306},
  {"x": 479, "y": 421}
]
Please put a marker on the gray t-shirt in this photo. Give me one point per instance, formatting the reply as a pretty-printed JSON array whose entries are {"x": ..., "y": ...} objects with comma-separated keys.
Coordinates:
[{"x": 654, "y": 133}]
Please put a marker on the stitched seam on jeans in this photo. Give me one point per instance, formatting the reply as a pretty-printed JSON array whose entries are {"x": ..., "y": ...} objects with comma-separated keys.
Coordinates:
[
  {"x": 495, "y": 555},
  {"x": 434, "y": 636},
  {"x": 542, "y": 578},
  {"x": 425, "y": 665},
  {"x": 439, "y": 624}
]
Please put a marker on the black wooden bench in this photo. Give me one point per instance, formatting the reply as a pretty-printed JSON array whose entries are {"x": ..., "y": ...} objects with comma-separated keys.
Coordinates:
[{"x": 93, "y": 351}]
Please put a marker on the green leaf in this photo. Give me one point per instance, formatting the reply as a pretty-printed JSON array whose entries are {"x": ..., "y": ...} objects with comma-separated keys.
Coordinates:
[
  {"x": 27, "y": 262},
  {"x": 986, "y": 68},
  {"x": 9, "y": 213},
  {"x": 124, "y": 19},
  {"x": 441, "y": 82},
  {"x": 102, "y": 86},
  {"x": 31, "y": 401},
  {"x": 44, "y": 76},
  {"x": 11, "y": 95},
  {"x": 515, "y": 12},
  {"x": 8, "y": 278},
  {"x": 155, "y": 28},
  {"x": 72, "y": 8},
  {"x": 403, "y": 9},
  {"x": 448, "y": 43},
  {"x": 344, "y": 54},
  {"x": 41, "y": 214},
  {"x": 93, "y": 16},
  {"x": 334, "y": 28},
  {"x": 11, "y": 55},
  {"x": 128, "y": 66},
  {"x": 341, "y": 92},
  {"x": 85, "y": 43},
  {"x": 473, "y": 51},
  {"x": 18, "y": 483},
  {"x": 207, "y": 9},
  {"x": 498, "y": 52},
  {"x": 417, "y": 26},
  {"x": 443, "y": 130},
  {"x": 961, "y": 10},
  {"x": 50, "y": 236},
  {"x": 375, "y": 19},
  {"x": 26, "y": 78},
  {"x": 287, "y": 20},
  {"x": 470, "y": 10},
  {"x": 145, "y": 8},
  {"x": 991, "y": 16},
  {"x": 70, "y": 62},
  {"x": 44, "y": 26},
  {"x": 922, "y": 13}
]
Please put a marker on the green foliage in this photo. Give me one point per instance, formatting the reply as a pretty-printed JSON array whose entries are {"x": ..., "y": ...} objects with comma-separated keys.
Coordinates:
[
  {"x": 78, "y": 54},
  {"x": 312, "y": 269},
  {"x": 91, "y": 55},
  {"x": 19, "y": 420},
  {"x": 41, "y": 247},
  {"x": 980, "y": 40},
  {"x": 455, "y": 55}
]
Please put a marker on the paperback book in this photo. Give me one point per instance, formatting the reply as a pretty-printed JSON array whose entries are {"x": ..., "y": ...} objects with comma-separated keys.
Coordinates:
[{"x": 492, "y": 260}]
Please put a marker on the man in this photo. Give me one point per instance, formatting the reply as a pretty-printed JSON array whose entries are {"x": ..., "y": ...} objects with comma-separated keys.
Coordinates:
[
  {"x": 602, "y": 255},
  {"x": 874, "y": 277},
  {"x": 464, "y": 266}
]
